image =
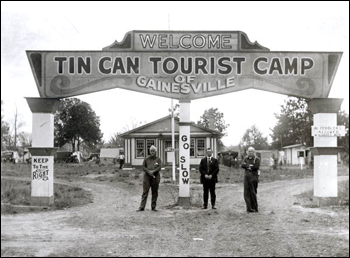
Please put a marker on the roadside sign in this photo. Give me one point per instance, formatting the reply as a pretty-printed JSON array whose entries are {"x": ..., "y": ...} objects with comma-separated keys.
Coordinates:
[{"x": 328, "y": 131}]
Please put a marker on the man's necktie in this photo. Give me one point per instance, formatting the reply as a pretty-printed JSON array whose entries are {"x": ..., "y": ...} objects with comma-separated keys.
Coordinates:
[{"x": 208, "y": 160}]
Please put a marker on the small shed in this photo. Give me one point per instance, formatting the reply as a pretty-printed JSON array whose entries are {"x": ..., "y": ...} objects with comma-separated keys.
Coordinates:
[
  {"x": 265, "y": 156},
  {"x": 297, "y": 154},
  {"x": 109, "y": 155}
]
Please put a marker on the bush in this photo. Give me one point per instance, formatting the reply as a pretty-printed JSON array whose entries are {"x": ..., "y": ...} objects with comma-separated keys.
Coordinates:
[{"x": 18, "y": 193}]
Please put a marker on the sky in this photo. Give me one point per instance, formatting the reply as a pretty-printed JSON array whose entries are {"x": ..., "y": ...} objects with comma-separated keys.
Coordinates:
[{"x": 279, "y": 26}]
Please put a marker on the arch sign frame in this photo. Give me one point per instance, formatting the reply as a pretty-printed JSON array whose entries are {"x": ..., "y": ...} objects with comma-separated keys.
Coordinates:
[{"x": 182, "y": 65}]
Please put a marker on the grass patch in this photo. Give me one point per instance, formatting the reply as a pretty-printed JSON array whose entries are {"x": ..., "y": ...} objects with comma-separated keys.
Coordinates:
[
  {"x": 236, "y": 175},
  {"x": 167, "y": 173},
  {"x": 196, "y": 198},
  {"x": 68, "y": 196},
  {"x": 226, "y": 174},
  {"x": 343, "y": 192},
  {"x": 306, "y": 198},
  {"x": 16, "y": 192}
]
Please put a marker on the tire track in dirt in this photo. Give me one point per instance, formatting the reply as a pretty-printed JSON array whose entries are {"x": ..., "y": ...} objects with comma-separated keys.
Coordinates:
[
  {"x": 110, "y": 226},
  {"x": 274, "y": 231}
]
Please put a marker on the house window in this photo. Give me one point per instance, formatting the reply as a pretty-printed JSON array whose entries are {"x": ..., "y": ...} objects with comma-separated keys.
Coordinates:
[
  {"x": 167, "y": 144},
  {"x": 150, "y": 142},
  {"x": 192, "y": 148},
  {"x": 300, "y": 154},
  {"x": 200, "y": 147},
  {"x": 140, "y": 148}
]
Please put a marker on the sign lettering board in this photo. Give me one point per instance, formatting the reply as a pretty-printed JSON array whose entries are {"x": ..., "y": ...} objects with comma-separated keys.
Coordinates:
[
  {"x": 42, "y": 175},
  {"x": 185, "y": 66},
  {"x": 184, "y": 173},
  {"x": 328, "y": 131}
]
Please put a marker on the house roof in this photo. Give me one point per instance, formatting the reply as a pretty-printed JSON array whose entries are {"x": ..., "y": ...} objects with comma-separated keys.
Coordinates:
[
  {"x": 293, "y": 146},
  {"x": 165, "y": 127}
]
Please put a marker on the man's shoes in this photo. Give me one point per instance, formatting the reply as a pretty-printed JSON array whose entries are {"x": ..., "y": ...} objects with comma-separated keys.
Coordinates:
[
  {"x": 140, "y": 209},
  {"x": 204, "y": 207},
  {"x": 213, "y": 207},
  {"x": 251, "y": 210},
  {"x": 154, "y": 209}
]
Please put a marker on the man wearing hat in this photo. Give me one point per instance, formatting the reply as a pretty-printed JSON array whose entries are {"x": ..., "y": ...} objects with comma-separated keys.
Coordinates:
[
  {"x": 251, "y": 165},
  {"x": 151, "y": 178}
]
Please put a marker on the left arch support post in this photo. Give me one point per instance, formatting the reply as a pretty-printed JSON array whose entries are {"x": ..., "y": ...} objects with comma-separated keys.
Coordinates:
[{"x": 42, "y": 150}]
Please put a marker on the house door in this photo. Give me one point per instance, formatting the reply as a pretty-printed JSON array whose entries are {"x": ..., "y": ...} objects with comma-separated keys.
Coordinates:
[{"x": 169, "y": 156}]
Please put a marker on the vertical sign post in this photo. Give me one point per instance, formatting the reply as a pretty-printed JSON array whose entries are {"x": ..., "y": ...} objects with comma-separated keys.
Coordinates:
[
  {"x": 184, "y": 157},
  {"x": 173, "y": 140}
]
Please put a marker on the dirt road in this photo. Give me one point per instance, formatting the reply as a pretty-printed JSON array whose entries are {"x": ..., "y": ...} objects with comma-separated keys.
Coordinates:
[{"x": 110, "y": 226}]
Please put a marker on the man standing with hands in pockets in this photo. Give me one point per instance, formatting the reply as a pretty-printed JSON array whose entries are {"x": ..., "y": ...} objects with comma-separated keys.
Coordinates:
[{"x": 209, "y": 169}]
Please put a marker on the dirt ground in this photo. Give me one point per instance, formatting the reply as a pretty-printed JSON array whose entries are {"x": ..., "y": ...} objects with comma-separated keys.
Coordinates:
[{"x": 110, "y": 226}]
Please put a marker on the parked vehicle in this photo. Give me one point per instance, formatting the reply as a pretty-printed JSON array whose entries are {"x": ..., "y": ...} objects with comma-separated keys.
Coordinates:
[
  {"x": 9, "y": 156},
  {"x": 63, "y": 157},
  {"x": 73, "y": 158},
  {"x": 94, "y": 156}
]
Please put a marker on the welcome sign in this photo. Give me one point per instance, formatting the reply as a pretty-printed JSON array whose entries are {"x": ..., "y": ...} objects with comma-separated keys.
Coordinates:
[{"x": 185, "y": 66}]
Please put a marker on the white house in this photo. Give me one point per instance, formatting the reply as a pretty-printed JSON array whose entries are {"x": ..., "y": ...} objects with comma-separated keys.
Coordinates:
[{"x": 158, "y": 133}]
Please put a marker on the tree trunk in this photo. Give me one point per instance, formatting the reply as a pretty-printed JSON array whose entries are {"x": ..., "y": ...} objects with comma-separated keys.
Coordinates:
[
  {"x": 15, "y": 143},
  {"x": 73, "y": 144}
]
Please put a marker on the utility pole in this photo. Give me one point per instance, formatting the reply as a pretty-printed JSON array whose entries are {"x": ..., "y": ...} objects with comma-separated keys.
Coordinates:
[{"x": 173, "y": 138}]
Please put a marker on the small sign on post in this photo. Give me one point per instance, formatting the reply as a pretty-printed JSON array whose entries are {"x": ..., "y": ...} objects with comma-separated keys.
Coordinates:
[
  {"x": 169, "y": 149},
  {"x": 328, "y": 131},
  {"x": 42, "y": 177}
]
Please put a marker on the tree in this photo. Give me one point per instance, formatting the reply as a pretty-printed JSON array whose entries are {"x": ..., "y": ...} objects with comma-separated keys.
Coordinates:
[
  {"x": 5, "y": 129},
  {"x": 293, "y": 124},
  {"x": 217, "y": 118},
  {"x": 343, "y": 119},
  {"x": 16, "y": 126},
  {"x": 9, "y": 133},
  {"x": 25, "y": 139},
  {"x": 133, "y": 123},
  {"x": 254, "y": 138},
  {"x": 116, "y": 140},
  {"x": 76, "y": 122}
]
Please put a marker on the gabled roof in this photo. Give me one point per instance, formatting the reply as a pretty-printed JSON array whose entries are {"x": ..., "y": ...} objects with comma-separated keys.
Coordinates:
[
  {"x": 292, "y": 146},
  {"x": 163, "y": 121}
]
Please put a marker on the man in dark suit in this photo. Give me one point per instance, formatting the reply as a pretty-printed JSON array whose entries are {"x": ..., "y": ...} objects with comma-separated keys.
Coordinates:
[{"x": 209, "y": 169}]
